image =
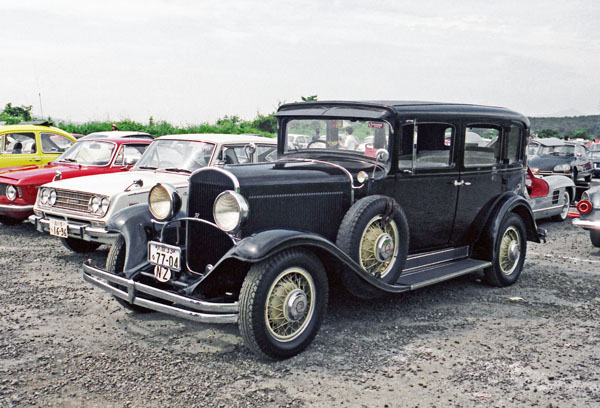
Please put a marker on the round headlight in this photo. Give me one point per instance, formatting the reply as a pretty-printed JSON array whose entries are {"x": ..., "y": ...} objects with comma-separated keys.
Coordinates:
[
  {"x": 164, "y": 201},
  {"x": 94, "y": 204},
  {"x": 52, "y": 197},
  {"x": 562, "y": 167},
  {"x": 45, "y": 194},
  {"x": 362, "y": 176},
  {"x": 104, "y": 205},
  {"x": 11, "y": 192},
  {"x": 230, "y": 210}
]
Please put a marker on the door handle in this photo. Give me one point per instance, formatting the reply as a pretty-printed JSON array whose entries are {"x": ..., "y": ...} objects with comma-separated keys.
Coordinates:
[{"x": 35, "y": 160}]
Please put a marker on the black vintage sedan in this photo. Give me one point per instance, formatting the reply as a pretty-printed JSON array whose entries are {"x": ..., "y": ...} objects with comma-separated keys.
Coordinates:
[
  {"x": 435, "y": 192},
  {"x": 558, "y": 157}
]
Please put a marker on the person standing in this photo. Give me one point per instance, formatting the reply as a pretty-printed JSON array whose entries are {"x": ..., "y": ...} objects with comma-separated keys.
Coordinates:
[{"x": 351, "y": 142}]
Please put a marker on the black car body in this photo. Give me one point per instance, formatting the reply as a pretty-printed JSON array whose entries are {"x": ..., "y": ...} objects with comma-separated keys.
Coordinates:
[
  {"x": 594, "y": 153},
  {"x": 435, "y": 193},
  {"x": 558, "y": 157}
]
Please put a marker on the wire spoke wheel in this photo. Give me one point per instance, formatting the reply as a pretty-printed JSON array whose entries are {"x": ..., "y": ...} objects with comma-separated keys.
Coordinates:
[
  {"x": 290, "y": 304},
  {"x": 510, "y": 250},
  {"x": 379, "y": 248}
]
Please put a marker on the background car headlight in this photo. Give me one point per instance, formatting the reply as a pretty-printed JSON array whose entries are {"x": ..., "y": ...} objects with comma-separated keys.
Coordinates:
[
  {"x": 164, "y": 201},
  {"x": 52, "y": 197},
  {"x": 562, "y": 167},
  {"x": 230, "y": 210},
  {"x": 11, "y": 192},
  {"x": 44, "y": 195}
]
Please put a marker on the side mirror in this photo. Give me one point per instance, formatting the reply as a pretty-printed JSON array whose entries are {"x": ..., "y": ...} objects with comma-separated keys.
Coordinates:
[
  {"x": 250, "y": 149},
  {"x": 382, "y": 155}
]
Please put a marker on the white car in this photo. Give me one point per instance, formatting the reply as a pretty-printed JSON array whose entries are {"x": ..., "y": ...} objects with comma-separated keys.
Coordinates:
[
  {"x": 117, "y": 134},
  {"x": 76, "y": 210}
]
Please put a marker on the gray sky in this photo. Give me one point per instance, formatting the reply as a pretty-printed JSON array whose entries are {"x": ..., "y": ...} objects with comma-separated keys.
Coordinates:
[{"x": 189, "y": 62}]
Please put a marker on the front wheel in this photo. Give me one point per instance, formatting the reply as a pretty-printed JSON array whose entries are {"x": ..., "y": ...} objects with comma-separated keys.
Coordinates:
[
  {"x": 595, "y": 237},
  {"x": 115, "y": 264},
  {"x": 509, "y": 252},
  {"x": 79, "y": 245},
  {"x": 282, "y": 303}
]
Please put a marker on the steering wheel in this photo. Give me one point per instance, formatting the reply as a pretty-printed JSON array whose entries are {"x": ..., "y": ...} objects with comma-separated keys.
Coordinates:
[{"x": 314, "y": 142}]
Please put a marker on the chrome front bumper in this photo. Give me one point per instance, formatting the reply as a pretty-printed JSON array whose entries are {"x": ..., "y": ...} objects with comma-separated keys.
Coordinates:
[
  {"x": 16, "y": 208},
  {"x": 201, "y": 311},
  {"x": 77, "y": 230},
  {"x": 587, "y": 224}
]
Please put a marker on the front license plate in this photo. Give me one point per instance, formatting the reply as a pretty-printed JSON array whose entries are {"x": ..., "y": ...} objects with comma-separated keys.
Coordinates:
[
  {"x": 59, "y": 228},
  {"x": 167, "y": 256}
]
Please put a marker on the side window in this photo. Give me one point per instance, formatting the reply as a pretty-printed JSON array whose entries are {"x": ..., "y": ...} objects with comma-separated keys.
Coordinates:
[
  {"x": 132, "y": 153},
  {"x": 19, "y": 143},
  {"x": 434, "y": 146},
  {"x": 53, "y": 143},
  {"x": 512, "y": 144},
  {"x": 482, "y": 145}
]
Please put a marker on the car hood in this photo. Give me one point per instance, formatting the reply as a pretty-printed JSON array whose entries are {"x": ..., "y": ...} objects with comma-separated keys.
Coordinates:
[
  {"x": 544, "y": 163},
  {"x": 111, "y": 184},
  {"x": 44, "y": 174},
  {"x": 13, "y": 169}
]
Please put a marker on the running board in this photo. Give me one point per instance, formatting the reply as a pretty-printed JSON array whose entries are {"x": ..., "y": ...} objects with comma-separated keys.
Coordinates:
[{"x": 430, "y": 275}]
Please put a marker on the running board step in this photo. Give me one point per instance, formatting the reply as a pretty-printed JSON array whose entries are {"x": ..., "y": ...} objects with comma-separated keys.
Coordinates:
[{"x": 441, "y": 272}]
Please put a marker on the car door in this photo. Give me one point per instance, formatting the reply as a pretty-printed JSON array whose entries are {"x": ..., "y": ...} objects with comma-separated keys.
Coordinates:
[
  {"x": 19, "y": 149},
  {"x": 425, "y": 183},
  {"x": 484, "y": 175}
]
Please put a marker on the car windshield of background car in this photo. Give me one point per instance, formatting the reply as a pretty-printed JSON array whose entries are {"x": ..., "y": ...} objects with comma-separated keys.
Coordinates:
[
  {"x": 176, "y": 155},
  {"x": 359, "y": 137},
  {"x": 557, "y": 151},
  {"x": 88, "y": 153}
]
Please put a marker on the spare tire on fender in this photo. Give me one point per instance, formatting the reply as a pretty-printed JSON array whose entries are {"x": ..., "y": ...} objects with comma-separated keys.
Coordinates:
[{"x": 374, "y": 232}]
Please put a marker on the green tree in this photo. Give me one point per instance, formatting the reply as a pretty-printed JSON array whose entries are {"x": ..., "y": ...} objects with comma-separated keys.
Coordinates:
[
  {"x": 15, "y": 114},
  {"x": 309, "y": 98},
  {"x": 582, "y": 133},
  {"x": 547, "y": 133}
]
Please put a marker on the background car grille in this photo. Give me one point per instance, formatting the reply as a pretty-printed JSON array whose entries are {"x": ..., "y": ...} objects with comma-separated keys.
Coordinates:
[
  {"x": 208, "y": 243},
  {"x": 3, "y": 188},
  {"x": 71, "y": 200}
]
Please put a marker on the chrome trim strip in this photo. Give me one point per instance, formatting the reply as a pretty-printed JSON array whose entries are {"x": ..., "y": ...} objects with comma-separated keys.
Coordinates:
[
  {"x": 16, "y": 207},
  {"x": 549, "y": 208},
  {"x": 236, "y": 182},
  {"x": 228, "y": 312}
]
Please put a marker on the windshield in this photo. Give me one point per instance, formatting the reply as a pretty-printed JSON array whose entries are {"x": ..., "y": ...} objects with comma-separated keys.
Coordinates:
[
  {"x": 176, "y": 155},
  {"x": 360, "y": 137},
  {"x": 564, "y": 150},
  {"x": 595, "y": 154},
  {"x": 88, "y": 153}
]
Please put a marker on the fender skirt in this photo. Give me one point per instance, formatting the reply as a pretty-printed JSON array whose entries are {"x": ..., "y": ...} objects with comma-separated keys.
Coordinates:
[{"x": 261, "y": 246}]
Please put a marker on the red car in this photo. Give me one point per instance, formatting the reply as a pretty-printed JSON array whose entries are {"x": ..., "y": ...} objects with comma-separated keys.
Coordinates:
[{"x": 18, "y": 186}]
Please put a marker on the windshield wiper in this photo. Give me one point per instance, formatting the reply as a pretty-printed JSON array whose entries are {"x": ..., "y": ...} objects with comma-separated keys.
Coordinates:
[
  {"x": 177, "y": 170},
  {"x": 68, "y": 160},
  {"x": 147, "y": 167}
]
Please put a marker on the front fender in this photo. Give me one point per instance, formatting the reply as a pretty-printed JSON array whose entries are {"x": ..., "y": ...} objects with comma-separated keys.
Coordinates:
[{"x": 263, "y": 245}]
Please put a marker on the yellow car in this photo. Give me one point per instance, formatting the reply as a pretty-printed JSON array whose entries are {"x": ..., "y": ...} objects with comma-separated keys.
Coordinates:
[{"x": 36, "y": 144}]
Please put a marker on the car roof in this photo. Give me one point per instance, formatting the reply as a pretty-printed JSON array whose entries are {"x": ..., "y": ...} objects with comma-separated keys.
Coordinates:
[
  {"x": 551, "y": 141},
  {"x": 30, "y": 127},
  {"x": 117, "y": 140},
  {"x": 357, "y": 108},
  {"x": 112, "y": 134},
  {"x": 221, "y": 138}
]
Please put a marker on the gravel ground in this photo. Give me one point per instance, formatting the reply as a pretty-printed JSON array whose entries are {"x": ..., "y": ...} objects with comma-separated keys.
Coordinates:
[{"x": 458, "y": 343}]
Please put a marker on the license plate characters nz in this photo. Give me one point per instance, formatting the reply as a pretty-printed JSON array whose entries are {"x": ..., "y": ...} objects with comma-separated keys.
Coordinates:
[
  {"x": 165, "y": 256},
  {"x": 58, "y": 228}
]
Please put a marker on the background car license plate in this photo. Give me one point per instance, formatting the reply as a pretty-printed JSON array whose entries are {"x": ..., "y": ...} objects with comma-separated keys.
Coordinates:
[
  {"x": 164, "y": 255},
  {"x": 59, "y": 228}
]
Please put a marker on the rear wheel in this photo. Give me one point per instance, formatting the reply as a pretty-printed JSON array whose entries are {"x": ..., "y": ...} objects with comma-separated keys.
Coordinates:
[
  {"x": 564, "y": 211},
  {"x": 79, "y": 245},
  {"x": 9, "y": 220},
  {"x": 115, "y": 264},
  {"x": 282, "y": 303},
  {"x": 595, "y": 237},
  {"x": 509, "y": 252}
]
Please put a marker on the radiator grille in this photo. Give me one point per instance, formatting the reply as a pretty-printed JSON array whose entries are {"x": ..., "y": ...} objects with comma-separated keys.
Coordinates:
[
  {"x": 207, "y": 244},
  {"x": 73, "y": 201},
  {"x": 3, "y": 188}
]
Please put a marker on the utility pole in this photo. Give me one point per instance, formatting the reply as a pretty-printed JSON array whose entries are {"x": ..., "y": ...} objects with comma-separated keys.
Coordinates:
[{"x": 41, "y": 109}]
